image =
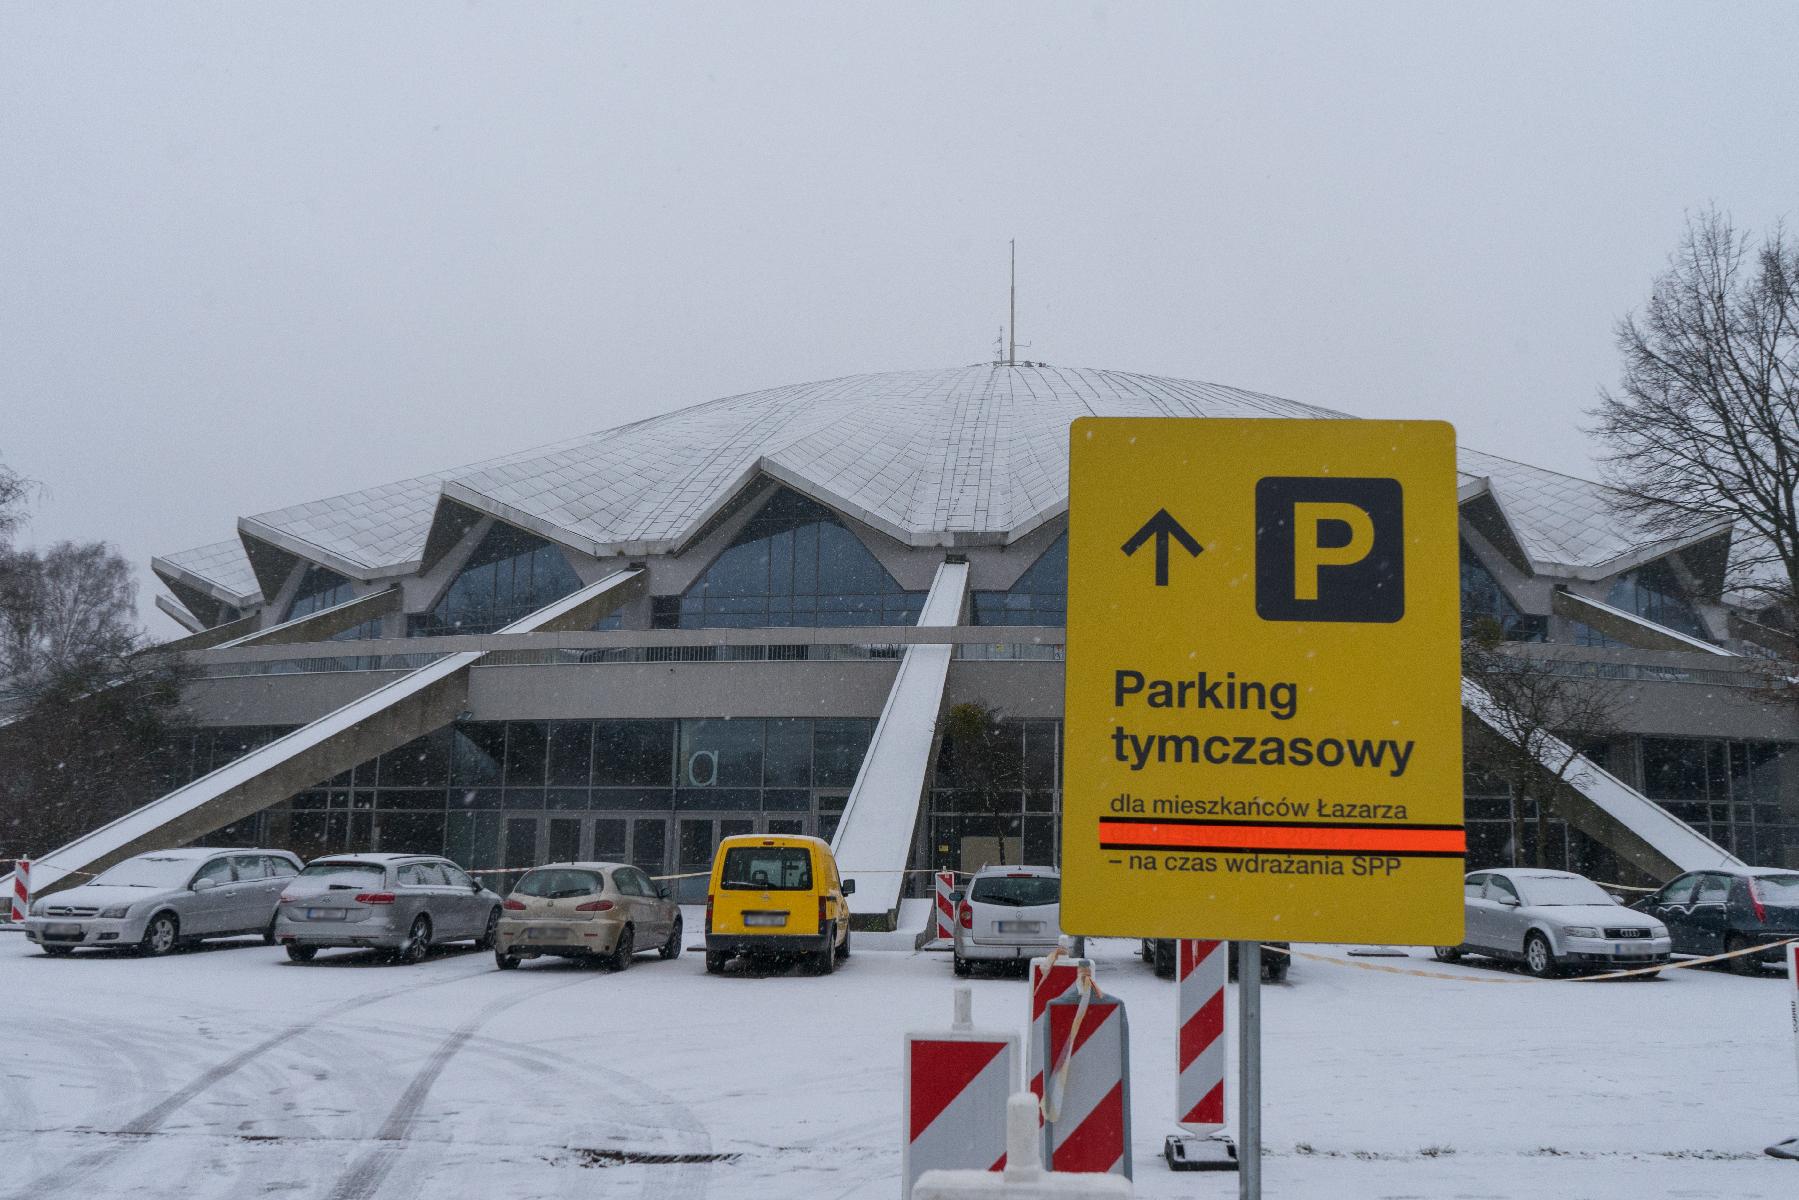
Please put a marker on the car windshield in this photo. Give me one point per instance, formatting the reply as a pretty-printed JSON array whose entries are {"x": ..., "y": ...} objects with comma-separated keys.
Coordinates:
[
  {"x": 1554, "y": 891},
  {"x": 1777, "y": 889},
  {"x": 149, "y": 871},
  {"x": 769, "y": 868},
  {"x": 1018, "y": 891},
  {"x": 559, "y": 883},
  {"x": 345, "y": 874}
]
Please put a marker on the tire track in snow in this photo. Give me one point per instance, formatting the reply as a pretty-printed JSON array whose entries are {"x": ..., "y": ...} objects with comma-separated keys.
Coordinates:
[
  {"x": 367, "y": 1173},
  {"x": 69, "y": 1177}
]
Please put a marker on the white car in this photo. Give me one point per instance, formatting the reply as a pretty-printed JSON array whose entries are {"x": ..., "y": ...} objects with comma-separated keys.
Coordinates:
[
  {"x": 1553, "y": 920},
  {"x": 1008, "y": 914}
]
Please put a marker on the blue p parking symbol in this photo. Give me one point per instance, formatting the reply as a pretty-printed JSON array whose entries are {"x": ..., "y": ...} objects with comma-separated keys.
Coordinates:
[{"x": 1330, "y": 549}]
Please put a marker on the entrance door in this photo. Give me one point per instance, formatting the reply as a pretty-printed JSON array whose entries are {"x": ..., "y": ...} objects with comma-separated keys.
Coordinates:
[
  {"x": 649, "y": 845},
  {"x": 699, "y": 838},
  {"x": 519, "y": 853},
  {"x": 562, "y": 839}
]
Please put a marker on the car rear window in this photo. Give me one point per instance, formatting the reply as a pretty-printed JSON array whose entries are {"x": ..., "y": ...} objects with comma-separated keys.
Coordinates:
[
  {"x": 768, "y": 868},
  {"x": 345, "y": 874},
  {"x": 1777, "y": 889},
  {"x": 559, "y": 883},
  {"x": 1019, "y": 891}
]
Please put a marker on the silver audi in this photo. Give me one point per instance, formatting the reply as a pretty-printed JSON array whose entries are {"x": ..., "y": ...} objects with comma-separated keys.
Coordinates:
[
  {"x": 1553, "y": 920},
  {"x": 399, "y": 903},
  {"x": 155, "y": 902}
]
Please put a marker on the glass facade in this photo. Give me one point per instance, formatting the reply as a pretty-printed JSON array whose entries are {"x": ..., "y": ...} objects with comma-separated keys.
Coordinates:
[
  {"x": 1039, "y": 597},
  {"x": 319, "y": 588},
  {"x": 1485, "y": 602},
  {"x": 1003, "y": 809},
  {"x": 515, "y": 793},
  {"x": 1653, "y": 592},
  {"x": 511, "y": 574},
  {"x": 1743, "y": 795},
  {"x": 794, "y": 563}
]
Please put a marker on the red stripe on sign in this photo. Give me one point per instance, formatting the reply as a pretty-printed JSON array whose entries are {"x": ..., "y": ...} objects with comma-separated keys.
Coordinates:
[
  {"x": 1051, "y": 984},
  {"x": 1097, "y": 1143},
  {"x": 1209, "y": 1111},
  {"x": 1206, "y": 1027},
  {"x": 1061, "y": 1020},
  {"x": 940, "y": 1071},
  {"x": 1000, "y": 1165}
]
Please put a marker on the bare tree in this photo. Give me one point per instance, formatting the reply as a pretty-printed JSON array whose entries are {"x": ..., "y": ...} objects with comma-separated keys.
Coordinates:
[
  {"x": 1542, "y": 716},
  {"x": 985, "y": 759},
  {"x": 1704, "y": 426}
]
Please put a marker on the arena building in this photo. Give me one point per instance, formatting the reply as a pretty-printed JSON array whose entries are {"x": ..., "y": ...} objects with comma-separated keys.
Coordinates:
[{"x": 750, "y": 614}]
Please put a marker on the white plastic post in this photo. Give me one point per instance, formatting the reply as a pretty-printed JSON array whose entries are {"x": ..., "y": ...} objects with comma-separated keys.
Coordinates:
[
  {"x": 1793, "y": 986},
  {"x": 953, "y": 1110},
  {"x": 1023, "y": 1178},
  {"x": 21, "y": 890}
]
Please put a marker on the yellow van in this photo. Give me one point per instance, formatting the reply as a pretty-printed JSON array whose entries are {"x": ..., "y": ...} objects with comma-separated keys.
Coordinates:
[{"x": 777, "y": 897}]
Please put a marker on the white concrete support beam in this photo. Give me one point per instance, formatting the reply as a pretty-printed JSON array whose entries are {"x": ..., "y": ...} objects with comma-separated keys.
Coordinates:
[{"x": 874, "y": 839}]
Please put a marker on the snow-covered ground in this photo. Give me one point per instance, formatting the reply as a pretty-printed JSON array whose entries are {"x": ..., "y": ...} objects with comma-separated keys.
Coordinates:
[{"x": 228, "y": 1072}]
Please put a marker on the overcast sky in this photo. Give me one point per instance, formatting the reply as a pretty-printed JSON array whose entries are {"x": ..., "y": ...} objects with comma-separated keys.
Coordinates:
[{"x": 257, "y": 254}]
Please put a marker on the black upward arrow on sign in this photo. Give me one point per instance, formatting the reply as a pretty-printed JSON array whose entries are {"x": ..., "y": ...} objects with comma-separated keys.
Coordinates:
[{"x": 1162, "y": 527}]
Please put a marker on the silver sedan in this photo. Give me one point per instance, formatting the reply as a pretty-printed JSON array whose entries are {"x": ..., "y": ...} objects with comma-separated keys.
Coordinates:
[
  {"x": 1553, "y": 920},
  {"x": 155, "y": 902},
  {"x": 401, "y": 903}
]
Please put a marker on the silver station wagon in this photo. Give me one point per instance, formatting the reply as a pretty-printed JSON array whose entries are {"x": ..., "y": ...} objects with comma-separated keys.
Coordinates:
[
  {"x": 401, "y": 903},
  {"x": 155, "y": 902}
]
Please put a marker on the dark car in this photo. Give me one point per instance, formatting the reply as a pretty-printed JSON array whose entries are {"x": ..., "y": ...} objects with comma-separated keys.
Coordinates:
[
  {"x": 1159, "y": 953},
  {"x": 1729, "y": 908}
]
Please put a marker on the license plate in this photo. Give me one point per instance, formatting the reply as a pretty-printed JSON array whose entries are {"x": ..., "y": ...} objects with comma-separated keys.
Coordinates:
[
  {"x": 1020, "y": 926},
  {"x": 324, "y": 914},
  {"x": 544, "y": 933},
  {"x": 764, "y": 919},
  {"x": 62, "y": 931}
]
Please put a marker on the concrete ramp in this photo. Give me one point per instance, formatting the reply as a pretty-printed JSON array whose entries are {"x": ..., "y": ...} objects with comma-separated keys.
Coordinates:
[
  {"x": 874, "y": 839},
  {"x": 1616, "y": 814},
  {"x": 385, "y": 719}
]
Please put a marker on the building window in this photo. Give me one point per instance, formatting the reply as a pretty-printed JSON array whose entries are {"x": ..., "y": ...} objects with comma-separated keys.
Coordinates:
[
  {"x": 319, "y": 589},
  {"x": 1485, "y": 603},
  {"x": 795, "y": 563},
  {"x": 1653, "y": 592},
  {"x": 1586, "y": 635},
  {"x": 1039, "y": 597},
  {"x": 510, "y": 575}
]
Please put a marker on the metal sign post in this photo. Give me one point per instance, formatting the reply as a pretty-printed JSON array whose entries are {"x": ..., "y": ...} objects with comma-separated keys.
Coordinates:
[{"x": 1249, "y": 1070}]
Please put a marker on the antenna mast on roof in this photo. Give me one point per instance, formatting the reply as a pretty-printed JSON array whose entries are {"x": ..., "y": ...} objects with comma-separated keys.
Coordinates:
[{"x": 1012, "y": 314}]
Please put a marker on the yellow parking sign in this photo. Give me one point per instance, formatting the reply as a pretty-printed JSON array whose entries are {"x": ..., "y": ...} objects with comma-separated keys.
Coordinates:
[{"x": 1263, "y": 733}]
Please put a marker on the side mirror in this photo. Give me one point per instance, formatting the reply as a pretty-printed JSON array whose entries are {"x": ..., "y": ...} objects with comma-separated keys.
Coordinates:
[
  {"x": 1618, "y": 898},
  {"x": 955, "y": 897},
  {"x": 662, "y": 891},
  {"x": 205, "y": 885},
  {"x": 474, "y": 886},
  {"x": 1507, "y": 902}
]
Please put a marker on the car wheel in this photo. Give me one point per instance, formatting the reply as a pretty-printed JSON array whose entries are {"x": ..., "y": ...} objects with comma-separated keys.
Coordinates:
[
  {"x": 417, "y": 943},
  {"x": 843, "y": 951},
  {"x": 623, "y": 949},
  {"x": 1274, "y": 967},
  {"x": 715, "y": 961},
  {"x": 268, "y": 933},
  {"x": 672, "y": 947},
  {"x": 1163, "y": 951},
  {"x": 491, "y": 934},
  {"x": 59, "y": 951},
  {"x": 1146, "y": 950},
  {"x": 825, "y": 960},
  {"x": 504, "y": 961},
  {"x": 1539, "y": 959},
  {"x": 1743, "y": 964},
  {"x": 962, "y": 966},
  {"x": 1447, "y": 954},
  {"x": 301, "y": 953},
  {"x": 161, "y": 935}
]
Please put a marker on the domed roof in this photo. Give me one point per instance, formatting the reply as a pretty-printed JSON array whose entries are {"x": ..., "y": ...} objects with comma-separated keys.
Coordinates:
[{"x": 966, "y": 455}]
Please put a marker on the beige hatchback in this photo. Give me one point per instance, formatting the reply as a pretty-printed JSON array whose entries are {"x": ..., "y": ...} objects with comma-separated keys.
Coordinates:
[{"x": 594, "y": 910}]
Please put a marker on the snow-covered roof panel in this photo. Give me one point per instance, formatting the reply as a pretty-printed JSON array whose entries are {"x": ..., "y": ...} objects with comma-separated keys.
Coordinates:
[{"x": 221, "y": 567}]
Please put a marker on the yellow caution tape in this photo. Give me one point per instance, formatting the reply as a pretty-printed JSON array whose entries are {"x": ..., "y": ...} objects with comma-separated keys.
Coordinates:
[{"x": 1653, "y": 970}]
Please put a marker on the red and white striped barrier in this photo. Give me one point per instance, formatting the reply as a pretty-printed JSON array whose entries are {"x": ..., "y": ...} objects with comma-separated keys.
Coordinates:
[
  {"x": 1024, "y": 1178},
  {"x": 955, "y": 1098},
  {"x": 21, "y": 890},
  {"x": 1051, "y": 976},
  {"x": 945, "y": 907},
  {"x": 1201, "y": 972},
  {"x": 1087, "y": 1085},
  {"x": 1789, "y": 1149}
]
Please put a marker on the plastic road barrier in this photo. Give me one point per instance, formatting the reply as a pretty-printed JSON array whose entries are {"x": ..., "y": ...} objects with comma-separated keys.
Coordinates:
[
  {"x": 955, "y": 1098},
  {"x": 1087, "y": 1084},
  {"x": 1201, "y": 972},
  {"x": 1051, "y": 977},
  {"x": 1790, "y": 1148},
  {"x": 21, "y": 890},
  {"x": 945, "y": 908},
  {"x": 1023, "y": 1178}
]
